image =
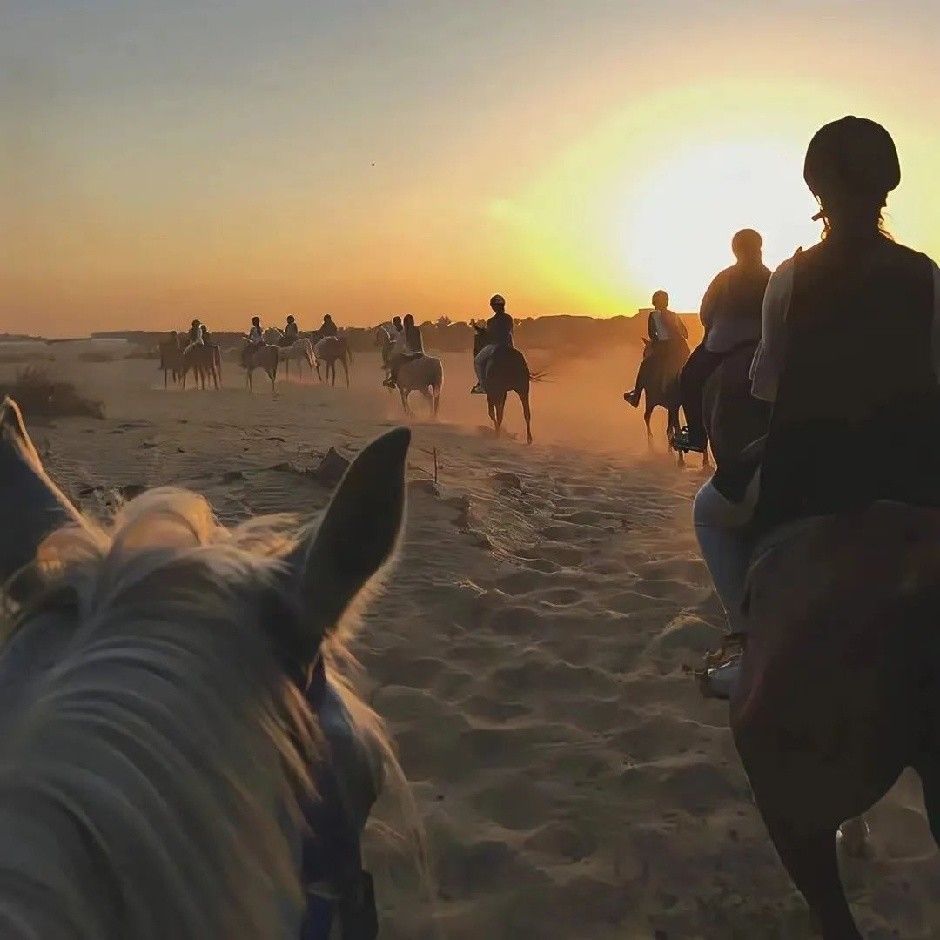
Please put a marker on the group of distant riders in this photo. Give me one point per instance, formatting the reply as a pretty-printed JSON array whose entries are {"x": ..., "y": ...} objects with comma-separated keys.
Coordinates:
[
  {"x": 405, "y": 334},
  {"x": 846, "y": 362}
]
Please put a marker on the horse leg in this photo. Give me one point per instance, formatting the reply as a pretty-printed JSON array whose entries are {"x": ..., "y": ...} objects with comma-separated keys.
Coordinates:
[
  {"x": 346, "y": 370},
  {"x": 527, "y": 414},
  {"x": 647, "y": 414},
  {"x": 404, "y": 399},
  {"x": 811, "y": 860},
  {"x": 164, "y": 379},
  {"x": 500, "y": 411}
]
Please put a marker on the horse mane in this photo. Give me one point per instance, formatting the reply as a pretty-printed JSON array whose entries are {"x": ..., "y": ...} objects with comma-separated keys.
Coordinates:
[{"x": 149, "y": 778}]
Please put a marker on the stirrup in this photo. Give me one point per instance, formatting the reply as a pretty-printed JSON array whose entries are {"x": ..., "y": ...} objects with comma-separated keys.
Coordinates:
[
  {"x": 714, "y": 661},
  {"x": 682, "y": 441}
]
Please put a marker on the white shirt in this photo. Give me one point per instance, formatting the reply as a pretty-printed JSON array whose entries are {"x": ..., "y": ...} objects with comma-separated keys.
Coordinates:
[
  {"x": 767, "y": 366},
  {"x": 398, "y": 340}
]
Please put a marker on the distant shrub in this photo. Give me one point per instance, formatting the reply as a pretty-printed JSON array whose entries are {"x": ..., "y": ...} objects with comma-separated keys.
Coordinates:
[{"x": 40, "y": 395}]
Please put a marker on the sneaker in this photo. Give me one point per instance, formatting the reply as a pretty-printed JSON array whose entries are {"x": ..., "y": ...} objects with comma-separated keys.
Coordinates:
[
  {"x": 632, "y": 398},
  {"x": 478, "y": 389},
  {"x": 719, "y": 682},
  {"x": 684, "y": 441}
]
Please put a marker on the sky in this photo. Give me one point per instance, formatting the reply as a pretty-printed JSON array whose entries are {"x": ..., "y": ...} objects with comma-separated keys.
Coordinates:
[{"x": 165, "y": 160}]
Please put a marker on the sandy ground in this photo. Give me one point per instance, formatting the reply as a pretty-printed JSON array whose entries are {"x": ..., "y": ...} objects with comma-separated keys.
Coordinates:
[{"x": 527, "y": 654}]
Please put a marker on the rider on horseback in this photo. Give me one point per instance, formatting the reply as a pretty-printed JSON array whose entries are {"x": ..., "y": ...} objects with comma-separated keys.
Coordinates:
[
  {"x": 499, "y": 336},
  {"x": 667, "y": 338},
  {"x": 850, "y": 357},
  {"x": 731, "y": 315},
  {"x": 329, "y": 328},
  {"x": 195, "y": 336},
  {"x": 291, "y": 333},
  {"x": 408, "y": 346},
  {"x": 396, "y": 353},
  {"x": 255, "y": 334}
]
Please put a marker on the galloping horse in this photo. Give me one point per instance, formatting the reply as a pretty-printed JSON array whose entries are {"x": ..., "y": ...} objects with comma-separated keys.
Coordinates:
[
  {"x": 261, "y": 356},
  {"x": 171, "y": 357},
  {"x": 848, "y": 604},
  {"x": 328, "y": 351},
  {"x": 507, "y": 371},
  {"x": 171, "y": 701}
]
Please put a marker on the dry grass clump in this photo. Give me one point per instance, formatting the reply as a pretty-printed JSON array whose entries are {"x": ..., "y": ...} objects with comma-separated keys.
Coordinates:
[{"x": 40, "y": 395}]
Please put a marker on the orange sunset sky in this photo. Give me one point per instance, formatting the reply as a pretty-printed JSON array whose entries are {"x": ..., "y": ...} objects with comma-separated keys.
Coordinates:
[{"x": 166, "y": 160}]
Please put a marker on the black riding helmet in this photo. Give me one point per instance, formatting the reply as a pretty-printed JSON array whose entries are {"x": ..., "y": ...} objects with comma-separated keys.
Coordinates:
[{"x": 852, "y": 157}]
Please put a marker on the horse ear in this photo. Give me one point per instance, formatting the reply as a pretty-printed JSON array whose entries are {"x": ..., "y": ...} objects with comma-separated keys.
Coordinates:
[
  {"x": 356, "y": 539},
  {"x": 32, "y": 505}
]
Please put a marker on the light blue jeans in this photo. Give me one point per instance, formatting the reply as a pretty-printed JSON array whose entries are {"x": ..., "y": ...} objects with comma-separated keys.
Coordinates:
[
  {"x": 481, "y": 358},
  {"x": 722, "y": 533}
]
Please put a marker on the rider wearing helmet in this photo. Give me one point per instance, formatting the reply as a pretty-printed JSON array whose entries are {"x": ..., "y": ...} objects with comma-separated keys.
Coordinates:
[
  {"x": 731, "y": 316},
  {"x": 667, "y": 341},
  {"x": 498, "y": 335},
  {"x": 849, "y": 357}
]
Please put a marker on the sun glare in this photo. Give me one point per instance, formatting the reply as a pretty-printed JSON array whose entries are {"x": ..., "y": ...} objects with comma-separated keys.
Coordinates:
[{"x": 679, "y": 218}]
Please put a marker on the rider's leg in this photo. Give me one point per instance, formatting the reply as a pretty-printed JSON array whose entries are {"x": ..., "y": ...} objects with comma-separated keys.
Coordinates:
[
  {"x": 479, "y": 364},
  {"x": 721, "y": 528},
  {"x": 642, "y": 378},
  {"x": 692, "y": 381}
]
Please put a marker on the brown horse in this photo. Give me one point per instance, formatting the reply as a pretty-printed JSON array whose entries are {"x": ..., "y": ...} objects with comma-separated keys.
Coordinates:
[
  {"x": 507, "y": 371},
  {"x": 848, "y": 604},
  {"x": 261, "y": 356},
  {"x": 203, "y": 359},
  {"x": 171, "y": 357},
  {"x": 329, "y": 351}
]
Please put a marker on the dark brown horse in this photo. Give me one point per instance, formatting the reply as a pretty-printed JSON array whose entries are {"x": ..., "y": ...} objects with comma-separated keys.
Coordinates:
[
  {"x": 260, "y": 356},
  {"x": 661, "y": 390},
  {"x": 840, "y": 676},
  {"x": 507, "y": 371}
]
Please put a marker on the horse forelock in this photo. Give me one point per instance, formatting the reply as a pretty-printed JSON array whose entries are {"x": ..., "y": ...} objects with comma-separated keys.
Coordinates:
[{"x": 158, "y": 752}]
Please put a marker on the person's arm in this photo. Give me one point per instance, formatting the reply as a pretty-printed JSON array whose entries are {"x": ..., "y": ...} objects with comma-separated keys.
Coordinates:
[
  {"x": 768, "y": 363},
  {"x": 709, "y": 301},
  {"x": 651, "y": 327},
  {"x": 683, "y": 329}
]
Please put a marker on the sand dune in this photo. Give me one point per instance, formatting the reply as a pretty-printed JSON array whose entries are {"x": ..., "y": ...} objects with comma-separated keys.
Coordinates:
[{"x": 528, "y": 655}]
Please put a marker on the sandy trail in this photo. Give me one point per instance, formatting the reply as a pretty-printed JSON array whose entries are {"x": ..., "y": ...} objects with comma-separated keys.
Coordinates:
[{"x": 528, "y": 655}]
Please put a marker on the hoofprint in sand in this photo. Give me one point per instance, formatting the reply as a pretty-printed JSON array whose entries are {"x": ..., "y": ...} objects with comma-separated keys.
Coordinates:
[{"x": 528, "y": 654}]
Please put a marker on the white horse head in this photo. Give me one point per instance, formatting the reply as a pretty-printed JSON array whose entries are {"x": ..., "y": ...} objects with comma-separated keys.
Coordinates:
[{"x": 155, "y": 737}]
